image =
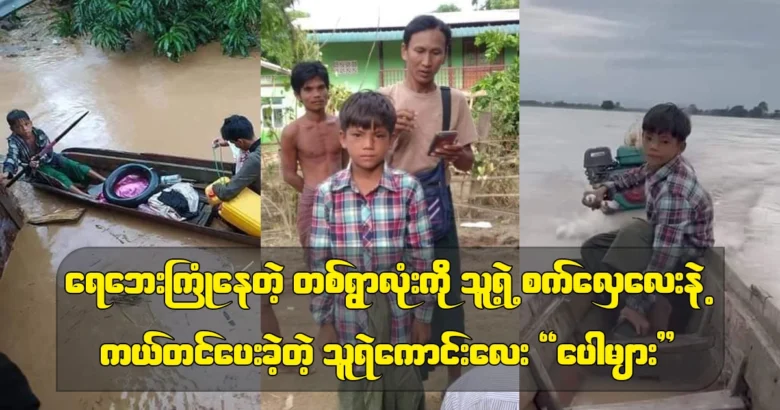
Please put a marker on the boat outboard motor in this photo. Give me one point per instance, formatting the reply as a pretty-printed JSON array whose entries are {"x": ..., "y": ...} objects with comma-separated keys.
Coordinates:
[{"x": 598, "y": 163}]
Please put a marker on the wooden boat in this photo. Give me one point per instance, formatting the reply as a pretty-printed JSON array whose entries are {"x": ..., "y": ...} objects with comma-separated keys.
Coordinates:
[
  {"x": 729, "y": 352},
  {"x": 200, "y": 173}
]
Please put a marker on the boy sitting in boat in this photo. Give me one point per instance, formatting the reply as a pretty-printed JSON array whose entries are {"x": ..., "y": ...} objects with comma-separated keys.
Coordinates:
[
  {"x": 679, "y": 217},
  {"x": 237, "y": 130},
  {"x": 371, "y": 209},
  {"x": 26, "y": 141}
]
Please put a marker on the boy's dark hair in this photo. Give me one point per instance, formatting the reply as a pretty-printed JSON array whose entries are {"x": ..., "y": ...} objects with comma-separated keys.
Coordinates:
[
  {"x": 366, "y": 108},
  {"x": 667, "y": 118},
  {"x": 426, "y": 22},
  {"x": 305, "y": 71},
  {"x": 15, "y": 116},
  {"x": 237, "y": 127}
]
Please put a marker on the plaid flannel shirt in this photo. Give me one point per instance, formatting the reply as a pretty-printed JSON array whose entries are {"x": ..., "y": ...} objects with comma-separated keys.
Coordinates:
[
  {"x": 19, "y": 152},
  {"x": 373, "y": 232},
  {"x": 680, "y": 211}
]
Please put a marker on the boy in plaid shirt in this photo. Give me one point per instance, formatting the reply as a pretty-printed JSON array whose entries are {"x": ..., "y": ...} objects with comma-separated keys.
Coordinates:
[
  {"x": 678, "y": 227},
  {"x": 373, "y": 217}
]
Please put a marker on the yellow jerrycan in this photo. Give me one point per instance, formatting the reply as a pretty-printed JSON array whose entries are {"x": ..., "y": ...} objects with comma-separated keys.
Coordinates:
[{"x": 243, "y": 211}]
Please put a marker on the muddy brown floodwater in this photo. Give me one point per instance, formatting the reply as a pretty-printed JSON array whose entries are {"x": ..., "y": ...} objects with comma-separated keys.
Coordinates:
[{"x": 137, "y": 103}]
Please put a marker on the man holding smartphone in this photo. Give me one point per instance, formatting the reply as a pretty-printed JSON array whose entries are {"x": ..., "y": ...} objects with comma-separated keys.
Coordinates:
[{"x": 421, "y": 116}]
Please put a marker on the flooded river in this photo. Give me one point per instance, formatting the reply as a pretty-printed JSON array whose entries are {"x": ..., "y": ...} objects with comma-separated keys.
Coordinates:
[
  {"x": 735, "y": 159},
  {"x": 136, "y": 103}
]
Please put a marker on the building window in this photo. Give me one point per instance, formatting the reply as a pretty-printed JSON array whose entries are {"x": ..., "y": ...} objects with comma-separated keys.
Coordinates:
[
  {"x": 273, "y": 112},
  {"x": 345, "y": 67}
]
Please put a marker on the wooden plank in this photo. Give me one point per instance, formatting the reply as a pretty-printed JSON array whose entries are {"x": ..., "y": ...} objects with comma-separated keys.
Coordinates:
[
  {"x": 145, "y": 155},
  {"x": 70, "y": 215},
  {"x": 714, "y": 400},
  {"x": 12, "y": 210},
  {"x": 201, "y": 174},
  {"x": 682, "y": 343},
  {"x": 542, "y": 379},
  {"x": 205, "y": 216}
]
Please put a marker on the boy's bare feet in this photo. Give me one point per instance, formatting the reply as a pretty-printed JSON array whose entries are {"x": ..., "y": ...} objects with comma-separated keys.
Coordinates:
[
  {"x": 639, "y": 321},
  {"x": 660, "y": 314}
]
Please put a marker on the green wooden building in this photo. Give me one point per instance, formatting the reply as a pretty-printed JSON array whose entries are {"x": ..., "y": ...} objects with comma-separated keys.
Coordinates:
[{"x": 361, "y": 54}]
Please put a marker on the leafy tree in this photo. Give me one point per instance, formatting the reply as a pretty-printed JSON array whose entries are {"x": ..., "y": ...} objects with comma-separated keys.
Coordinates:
[
  {"x": 760, "y": 110},
  {"x": 607, "y": 105},
  {"x": 502, "y": 88},
  {"x": 737, "y": 111},
  {"x": 295, "y": 14},
  {"x": 495, "y": 4},
  {"x": 180, "y": 26},
  {"x": 177, "y": 26},
  {"x": 338, "y": 96},
  {"x": 447, "y": 8},
  {"x": 283, "y": 43}
]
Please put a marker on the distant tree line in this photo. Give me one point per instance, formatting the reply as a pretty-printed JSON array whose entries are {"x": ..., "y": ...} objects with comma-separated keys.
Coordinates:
[
  {"x": 605, "y": 105},
  {"x": 759, "y": 111}
]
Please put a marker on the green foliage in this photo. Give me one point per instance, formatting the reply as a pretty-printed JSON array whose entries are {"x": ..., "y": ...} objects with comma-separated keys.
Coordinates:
[
  {"x": 338, "y": 96},
  {"x": 177, "y": 26},
  {"x": 283, "y": 43},
  {"x": 495, "y": 4},
  {"x": 502, "y": 88},
  {"x": 63, "y": 24},
  {"x": 496, "y": 42},
  {"x": 447, "y": 8}
]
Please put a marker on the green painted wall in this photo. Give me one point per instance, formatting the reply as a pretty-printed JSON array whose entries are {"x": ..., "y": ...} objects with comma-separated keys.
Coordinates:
[
  {"x": 368, "y": 71},
  {"x": 393, "y": 58}
]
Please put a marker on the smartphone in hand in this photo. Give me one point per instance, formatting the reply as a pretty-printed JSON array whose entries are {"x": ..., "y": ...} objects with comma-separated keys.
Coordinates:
[{"x": 443, "y": 138}]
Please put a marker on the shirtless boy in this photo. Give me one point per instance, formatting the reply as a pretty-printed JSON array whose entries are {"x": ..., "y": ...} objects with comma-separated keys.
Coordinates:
[{"x": 311, "y": 141}]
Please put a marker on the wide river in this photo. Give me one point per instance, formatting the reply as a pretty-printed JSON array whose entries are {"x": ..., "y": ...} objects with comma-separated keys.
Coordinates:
[
  {"x": 736, "y": 160},
  {"x": 137, "y": 103}
]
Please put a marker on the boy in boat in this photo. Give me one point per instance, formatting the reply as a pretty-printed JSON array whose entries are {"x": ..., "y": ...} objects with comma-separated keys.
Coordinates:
[
  {"x": 26, "y": 141},
  {"x": 311, "y": 141},
  {"x": 237, "y": 130},
  {"x": 679, "y": 217},
  {"x": 377, "y": 215}
]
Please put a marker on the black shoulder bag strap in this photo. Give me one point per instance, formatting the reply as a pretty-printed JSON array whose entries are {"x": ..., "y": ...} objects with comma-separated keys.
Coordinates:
[{"x": 446, "y": 106}]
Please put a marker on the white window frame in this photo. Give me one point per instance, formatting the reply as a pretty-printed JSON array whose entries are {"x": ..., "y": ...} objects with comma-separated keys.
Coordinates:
[
  {"x": 345, "y": 67},
  {"x": 274, "y": 106}
]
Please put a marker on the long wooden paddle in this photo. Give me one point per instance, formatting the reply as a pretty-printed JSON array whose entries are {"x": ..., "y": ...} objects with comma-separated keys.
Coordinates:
[{"x": 45, "y": 149}]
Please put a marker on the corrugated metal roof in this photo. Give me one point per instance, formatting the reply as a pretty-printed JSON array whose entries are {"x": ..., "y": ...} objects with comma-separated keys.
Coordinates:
[
  {"x": 273, "y": 67},
  {"x": 395, "y": 35},
  {"x": 367, "y": 18},
  {"x": 9, "y": 6}
]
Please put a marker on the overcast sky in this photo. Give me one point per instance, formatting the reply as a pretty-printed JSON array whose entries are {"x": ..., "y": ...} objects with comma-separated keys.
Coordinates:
[
  {"x": 371, "y": 8},
  {"x": 712, "y": 53}
]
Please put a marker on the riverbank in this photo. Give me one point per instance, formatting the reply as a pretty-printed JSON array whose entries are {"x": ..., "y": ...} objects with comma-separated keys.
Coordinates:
[{"x": 30, "y": 35}]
